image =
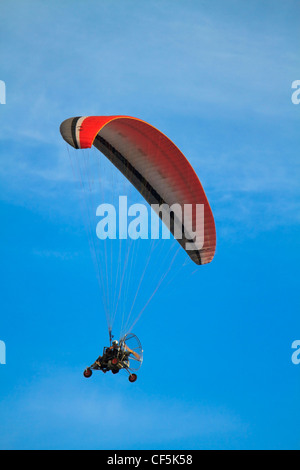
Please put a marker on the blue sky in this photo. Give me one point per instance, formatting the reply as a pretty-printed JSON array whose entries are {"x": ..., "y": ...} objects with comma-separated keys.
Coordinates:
[{"x": 215, "y": 76}]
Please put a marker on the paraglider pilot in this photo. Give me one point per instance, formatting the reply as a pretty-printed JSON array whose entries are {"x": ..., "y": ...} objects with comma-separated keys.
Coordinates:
[{"x": 111, "y": 355}]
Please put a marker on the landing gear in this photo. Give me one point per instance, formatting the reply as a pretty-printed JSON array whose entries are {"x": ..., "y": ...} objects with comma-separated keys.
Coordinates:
[
  {"x": 88, "y": 373},
  {"x": 132, "y": 378}
]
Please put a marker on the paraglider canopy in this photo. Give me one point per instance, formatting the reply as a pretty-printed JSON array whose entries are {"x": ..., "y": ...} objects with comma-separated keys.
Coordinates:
[{"x": 157, "y": 169}]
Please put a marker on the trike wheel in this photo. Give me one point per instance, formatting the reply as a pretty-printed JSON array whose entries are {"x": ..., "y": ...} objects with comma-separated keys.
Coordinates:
[
  {"x": 87, "y": 373},
  {"x": 132, "y": 378}
]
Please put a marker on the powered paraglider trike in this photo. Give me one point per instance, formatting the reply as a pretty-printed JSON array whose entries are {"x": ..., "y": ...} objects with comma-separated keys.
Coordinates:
[
  {"x": 153, "y": 167},
  {"x": 127, "y": 354}
]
